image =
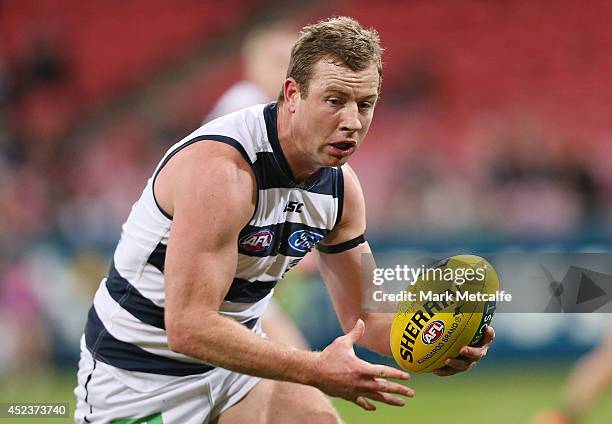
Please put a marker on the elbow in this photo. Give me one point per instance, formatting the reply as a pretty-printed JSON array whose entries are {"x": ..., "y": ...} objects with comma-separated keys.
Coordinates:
[
  {"x": 180, "y": 332},
  {"x": 176, "y": 334},
  {"x": 184, "y": 335}
]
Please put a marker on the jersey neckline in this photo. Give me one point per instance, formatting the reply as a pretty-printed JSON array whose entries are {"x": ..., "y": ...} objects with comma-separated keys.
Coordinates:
[{"x": 271, "y": 119}]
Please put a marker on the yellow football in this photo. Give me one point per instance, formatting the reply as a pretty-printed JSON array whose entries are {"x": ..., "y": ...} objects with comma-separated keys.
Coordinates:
[{"x": 452, "y": 301}]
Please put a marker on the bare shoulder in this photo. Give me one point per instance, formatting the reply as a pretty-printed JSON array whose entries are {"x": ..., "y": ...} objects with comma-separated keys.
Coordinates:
[{"x": 206, "y": 174}]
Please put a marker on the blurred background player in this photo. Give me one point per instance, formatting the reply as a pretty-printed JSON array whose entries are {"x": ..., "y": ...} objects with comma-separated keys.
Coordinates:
[
  {"x": 587, "y": 382},
  {"x": 265, "y": 55}
]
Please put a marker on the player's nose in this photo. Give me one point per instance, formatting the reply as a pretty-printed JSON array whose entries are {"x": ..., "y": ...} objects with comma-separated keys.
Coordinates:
[{"x": 350, "y": 118}]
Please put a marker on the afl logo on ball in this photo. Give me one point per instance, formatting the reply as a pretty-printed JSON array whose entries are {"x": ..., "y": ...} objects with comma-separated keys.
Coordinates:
[
  {"x": 433, "y": 332},
  {"x": 257, "y": 241},
  {"x": 303, "y": 240}
]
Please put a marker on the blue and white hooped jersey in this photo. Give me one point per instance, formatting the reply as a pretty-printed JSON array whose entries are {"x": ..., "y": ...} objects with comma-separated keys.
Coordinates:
[{"x": 125, "y": 326}]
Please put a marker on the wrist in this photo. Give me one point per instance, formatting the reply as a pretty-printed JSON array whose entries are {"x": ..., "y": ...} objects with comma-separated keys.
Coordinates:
[{"x": 307, "y": 370}]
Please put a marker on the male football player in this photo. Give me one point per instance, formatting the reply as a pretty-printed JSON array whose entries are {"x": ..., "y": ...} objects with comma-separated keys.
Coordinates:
[{"x": 174, "y": 335}]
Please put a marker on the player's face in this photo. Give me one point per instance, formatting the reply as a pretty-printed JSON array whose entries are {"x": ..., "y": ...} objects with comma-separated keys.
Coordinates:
[{"x": 336, "y": 114}]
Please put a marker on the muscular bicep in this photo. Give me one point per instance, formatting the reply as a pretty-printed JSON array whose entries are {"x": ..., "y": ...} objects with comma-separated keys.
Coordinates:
[{"x": 211, "y": 201}]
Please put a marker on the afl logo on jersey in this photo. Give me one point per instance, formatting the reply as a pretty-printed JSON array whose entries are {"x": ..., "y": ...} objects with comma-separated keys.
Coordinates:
[
  {"x": 257, "y": 241},
  {"x": 433, "y": 332},
  {"x": 304, "y": 240}
]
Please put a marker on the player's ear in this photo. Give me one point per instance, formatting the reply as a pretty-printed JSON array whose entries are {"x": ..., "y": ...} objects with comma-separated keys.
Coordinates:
[{"x": 291, "y": 93}]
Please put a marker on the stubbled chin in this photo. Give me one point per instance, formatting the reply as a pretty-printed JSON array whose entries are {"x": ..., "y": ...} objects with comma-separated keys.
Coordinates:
[{"x": 336, "y": 161}]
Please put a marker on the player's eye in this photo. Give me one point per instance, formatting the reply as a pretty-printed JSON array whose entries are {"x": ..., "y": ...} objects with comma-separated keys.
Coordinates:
[
  {"x": 334, "y": 101},
  {"x": 365, "y": 105}
]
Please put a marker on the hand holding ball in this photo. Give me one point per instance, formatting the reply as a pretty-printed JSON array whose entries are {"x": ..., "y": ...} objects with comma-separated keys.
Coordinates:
[{"x": 446, "y": 314}]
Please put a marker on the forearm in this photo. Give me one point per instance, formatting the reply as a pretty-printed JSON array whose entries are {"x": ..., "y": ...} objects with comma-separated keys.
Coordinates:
[
  {"x": 225, "y": 343},
  {"x": 376, "y": 337}
]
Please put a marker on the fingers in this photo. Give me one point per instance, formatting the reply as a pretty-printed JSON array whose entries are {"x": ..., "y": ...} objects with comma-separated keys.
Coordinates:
[
  {"x": 386, "y": 398},
  {"x": 459, "y": 364},
  {"x": 385, "y": 386},
  {"x": 383, "y": 391},
  {"x": 469, "y": 355},
  {"x": 445, "y": 371},
  {"x": 472, "y": 353},
  {"x": 384, "y": 371},
  {"x": 489, "y": 336},
  {"x": 463, "y": 362},
  {"x": 455, "y": 365},
  {"x": 363, "y": 402},
  {"x": 382, "y": 396},
  {"x": 479, "y": 351},
  {"x": 392, "y": 387},
  {"x": 356, "y": 333}
]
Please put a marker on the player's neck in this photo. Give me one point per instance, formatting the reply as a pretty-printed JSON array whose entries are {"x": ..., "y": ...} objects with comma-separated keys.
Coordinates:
[{"x": 301, "y": 169}]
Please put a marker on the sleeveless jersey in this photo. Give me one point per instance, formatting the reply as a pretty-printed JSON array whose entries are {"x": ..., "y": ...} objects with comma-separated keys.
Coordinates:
[{"x": 125, "y": 326}]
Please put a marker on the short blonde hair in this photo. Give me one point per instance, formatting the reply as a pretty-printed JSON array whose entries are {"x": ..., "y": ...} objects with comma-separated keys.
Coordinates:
[{"x": 340, "y": 39}]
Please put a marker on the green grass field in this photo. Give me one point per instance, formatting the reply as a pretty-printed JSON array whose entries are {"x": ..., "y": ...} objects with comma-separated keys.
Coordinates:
[{"x": 485, "y": 395}]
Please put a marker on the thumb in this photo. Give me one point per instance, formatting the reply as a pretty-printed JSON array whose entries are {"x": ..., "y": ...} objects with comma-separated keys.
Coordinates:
[{"x": 356, "y": 333}]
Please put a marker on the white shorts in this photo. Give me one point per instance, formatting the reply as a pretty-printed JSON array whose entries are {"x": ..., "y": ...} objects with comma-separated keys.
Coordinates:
[{"x": 105, "y": 393}]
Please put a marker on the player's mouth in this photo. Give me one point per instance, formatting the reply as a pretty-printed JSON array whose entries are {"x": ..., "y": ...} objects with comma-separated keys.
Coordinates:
[{"x": 343, "y": 148}]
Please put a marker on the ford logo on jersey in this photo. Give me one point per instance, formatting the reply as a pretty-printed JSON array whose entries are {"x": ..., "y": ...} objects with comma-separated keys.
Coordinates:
[
  {"x": 304, "y": 240},
  {"x": 257, "y": 241}
]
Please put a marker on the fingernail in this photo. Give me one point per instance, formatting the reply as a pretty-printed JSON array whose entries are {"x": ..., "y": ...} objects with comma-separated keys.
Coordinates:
[{"x": 465, "y": 350}]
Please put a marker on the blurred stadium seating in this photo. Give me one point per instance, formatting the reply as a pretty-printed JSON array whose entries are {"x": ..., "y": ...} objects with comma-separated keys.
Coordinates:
[{"x": 494, "y": 125}]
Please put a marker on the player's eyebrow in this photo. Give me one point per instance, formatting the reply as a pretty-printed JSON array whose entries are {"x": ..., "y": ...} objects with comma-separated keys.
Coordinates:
[
  {"x": 369, "y": 98},
  {"x": 343, "y": 92},
  {"x": 336, "y": 90}
]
